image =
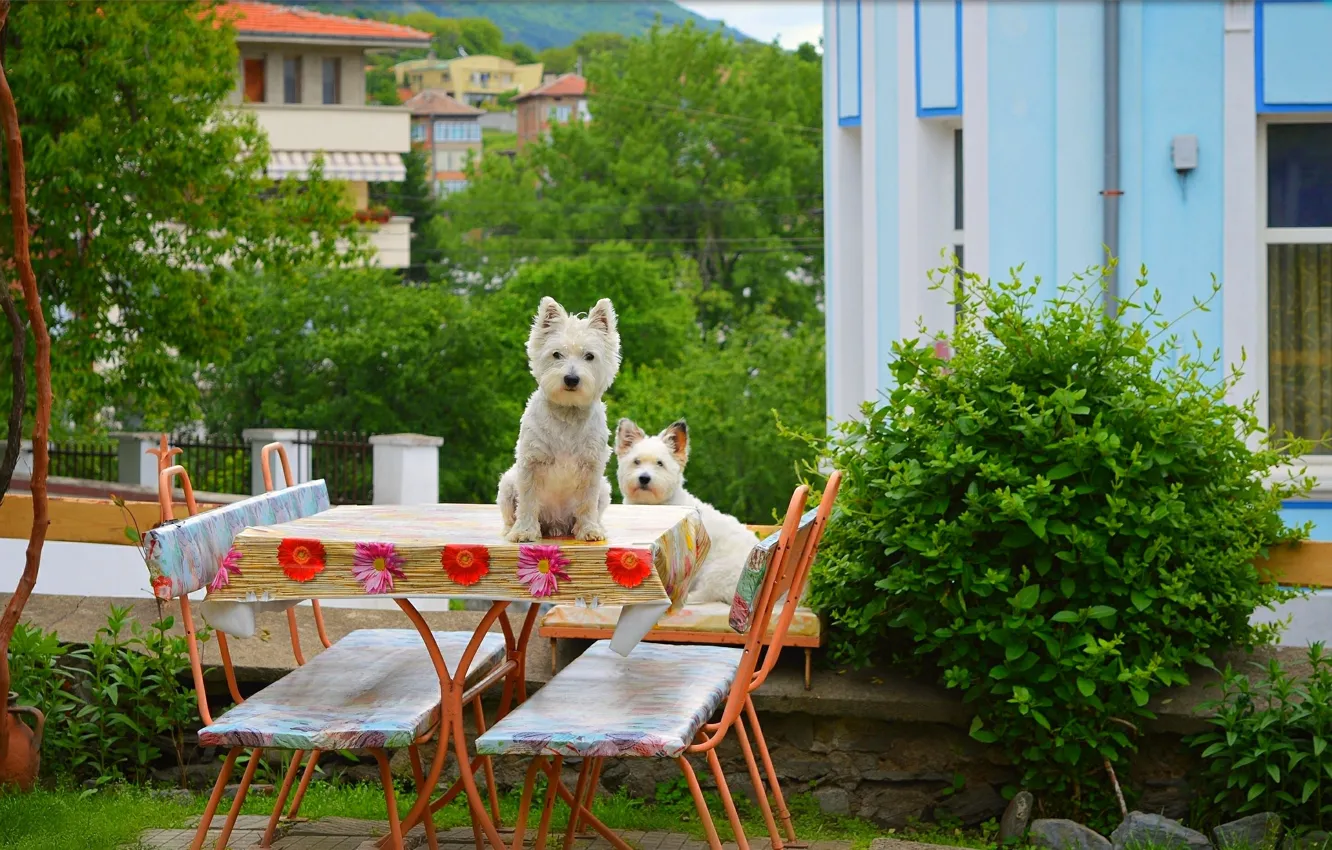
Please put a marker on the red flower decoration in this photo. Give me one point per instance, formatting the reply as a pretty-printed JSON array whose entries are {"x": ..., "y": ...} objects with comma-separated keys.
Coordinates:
[
  {"x": 466, "y": 564},
  {"x": 162, "y": 587},
  {"x": 628, "y": 567},
  {"x": 301, "y": 560}
]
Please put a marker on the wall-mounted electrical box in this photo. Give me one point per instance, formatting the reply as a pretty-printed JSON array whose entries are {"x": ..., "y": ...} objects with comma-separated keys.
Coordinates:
[{"x": 1184, "y": 153}]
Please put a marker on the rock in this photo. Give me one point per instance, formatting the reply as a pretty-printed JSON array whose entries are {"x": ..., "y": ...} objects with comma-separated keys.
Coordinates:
[
  {"x": 255, "y": 788},
  {"x": 1013, "y": 825},
  {"x": 1061, "y": 834},
  {"x": 973, "y": 804},
  {"x": 1308, "y": 841},
  {"x": 175, "y": 795},
  {"x": 833, "y": 801},
  {"x": 1140, "y": 829},
  {"x": 894, "y": 806},
  {"x": 1256, "y": 832}
]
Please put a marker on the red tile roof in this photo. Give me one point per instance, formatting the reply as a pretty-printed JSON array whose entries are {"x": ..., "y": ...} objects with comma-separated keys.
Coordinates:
[
  {"x": 404, "y": 94},
  {"x": 252, "y": 18},
  {"x": 436, "y": 102},
  {"x": 565, "y": 85}
]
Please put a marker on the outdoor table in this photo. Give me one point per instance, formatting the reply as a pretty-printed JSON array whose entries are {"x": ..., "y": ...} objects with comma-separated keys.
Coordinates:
[{"x": 458, "y": 551}]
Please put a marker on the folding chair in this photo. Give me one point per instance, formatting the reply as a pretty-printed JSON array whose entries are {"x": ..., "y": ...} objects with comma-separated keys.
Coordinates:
[
  {"x": 368, "y": 691},
  {"x": 656, "y": 702}
]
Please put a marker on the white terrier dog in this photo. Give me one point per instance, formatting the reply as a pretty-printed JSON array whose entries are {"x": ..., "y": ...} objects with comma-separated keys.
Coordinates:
[
  {"x": 651, "y": 472},
  {"x": 557, "y": 485}
]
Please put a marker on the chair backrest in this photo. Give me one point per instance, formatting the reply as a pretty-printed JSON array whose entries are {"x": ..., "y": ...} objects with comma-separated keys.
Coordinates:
[
  {"x": 184, "y": 556},
  {"x": 792, "y": 573}
]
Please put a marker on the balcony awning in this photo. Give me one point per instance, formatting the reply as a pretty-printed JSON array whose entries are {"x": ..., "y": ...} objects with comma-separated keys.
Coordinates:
[{"x": 374, "y": 167}]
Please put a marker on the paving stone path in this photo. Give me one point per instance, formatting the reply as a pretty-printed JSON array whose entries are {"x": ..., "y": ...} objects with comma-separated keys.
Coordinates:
[{"x": 349, "y": 834}]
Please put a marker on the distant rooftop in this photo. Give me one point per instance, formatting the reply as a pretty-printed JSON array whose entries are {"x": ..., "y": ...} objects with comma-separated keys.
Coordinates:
[
  {"x": 437, "y": 102},
  {"x": 565, "y": 85},
  {"x": 270, "y": 21}
]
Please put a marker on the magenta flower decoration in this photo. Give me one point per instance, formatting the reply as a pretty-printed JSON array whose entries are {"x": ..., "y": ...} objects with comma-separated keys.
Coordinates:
[
  {"x": 376, "y": 565},
  {"x": 541, "y": 568},
  {"x": 229, "y": 567}
]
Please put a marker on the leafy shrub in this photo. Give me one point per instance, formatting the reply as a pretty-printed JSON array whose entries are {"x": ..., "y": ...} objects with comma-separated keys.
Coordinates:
[
  {"x": 1061, "y": 517},
  {"x": 1268, "y": 748},
  {"x": 113, "y": 705}
]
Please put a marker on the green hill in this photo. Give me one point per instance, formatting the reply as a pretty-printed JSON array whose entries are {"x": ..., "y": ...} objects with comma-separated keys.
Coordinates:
[{"x": 538, "y": 25}]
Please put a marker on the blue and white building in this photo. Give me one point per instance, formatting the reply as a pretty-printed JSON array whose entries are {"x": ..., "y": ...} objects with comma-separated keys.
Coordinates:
[{"x": 1193, "y": 136}]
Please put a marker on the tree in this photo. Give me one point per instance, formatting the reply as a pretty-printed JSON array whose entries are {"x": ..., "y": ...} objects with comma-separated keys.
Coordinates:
[
  {"x": 563, "y": 60},
  {"x": 360, "y": 350},
  {"x": 412, "y": 197},
  {"x": 143, "y": 186},
  {"x": 731, "y": 392},
  {"x": 697, "y": 145}
]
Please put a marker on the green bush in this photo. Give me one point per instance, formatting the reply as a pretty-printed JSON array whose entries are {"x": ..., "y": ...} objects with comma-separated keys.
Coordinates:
[
  {"x": 1061, "y": 518},
  {"x": 115, "y": 708},
  {"x": 1268, "y": 750}
]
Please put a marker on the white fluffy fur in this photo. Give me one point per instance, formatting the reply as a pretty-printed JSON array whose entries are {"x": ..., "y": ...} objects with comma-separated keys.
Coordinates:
[
  {"x": 651, "y": 472},
  {"x": 557, "y": 485}
]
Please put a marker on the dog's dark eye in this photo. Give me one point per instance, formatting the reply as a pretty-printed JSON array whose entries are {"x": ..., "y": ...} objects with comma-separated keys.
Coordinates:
[
  {"x": 589, "y": 357},
  {"x": 558, "y": 356},
  {"x": 662, "y": 465},
  {"x": 637, "y": 461}
]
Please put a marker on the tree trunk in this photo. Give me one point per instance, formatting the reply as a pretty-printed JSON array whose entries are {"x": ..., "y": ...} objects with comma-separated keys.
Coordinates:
[{"x": 18, "y": 207}]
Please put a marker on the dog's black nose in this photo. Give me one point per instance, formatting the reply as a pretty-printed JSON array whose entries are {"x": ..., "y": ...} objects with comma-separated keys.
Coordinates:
[
  {"x": 571, "y": 381},
  {"x": 644, "y": 479}
]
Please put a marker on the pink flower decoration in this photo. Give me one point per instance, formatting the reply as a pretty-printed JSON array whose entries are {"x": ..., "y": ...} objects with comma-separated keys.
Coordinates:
[
  {"x": 540, "y": 568},
  {"x": 229, "y": 567},
  {"x": 376, "y": 565}
]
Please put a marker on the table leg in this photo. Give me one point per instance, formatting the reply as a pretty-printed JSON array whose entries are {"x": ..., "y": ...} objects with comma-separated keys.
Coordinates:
[{"x": 452, "y": 688}]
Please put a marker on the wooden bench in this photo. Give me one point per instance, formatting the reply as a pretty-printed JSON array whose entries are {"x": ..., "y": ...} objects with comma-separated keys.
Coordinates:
[{"x": 708, "y": 623}]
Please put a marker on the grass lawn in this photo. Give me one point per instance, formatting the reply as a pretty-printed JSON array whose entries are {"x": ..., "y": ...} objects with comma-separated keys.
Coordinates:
[{"x": 109, "y": 819}]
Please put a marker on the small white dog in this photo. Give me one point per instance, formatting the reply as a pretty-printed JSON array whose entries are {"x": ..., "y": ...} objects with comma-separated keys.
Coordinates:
[
  {"x": 651, "y": 472},
  {"x": 557, "y": 485}
]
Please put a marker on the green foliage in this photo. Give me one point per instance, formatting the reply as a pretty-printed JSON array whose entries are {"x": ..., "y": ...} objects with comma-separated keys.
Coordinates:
[
  {"x": 1267, "y": 750},
  {"x": 729, "y": 394},
  {"x": 112, "y": 705},
  {"x": 356, "y": 350},
  {"x": 125, "y": 131},
  {"x": 1061, "y": 518},
  {"x": 564, "y": 60},
  {"x": 699, "y": 147},
  {"x": 413, "y": 197}
]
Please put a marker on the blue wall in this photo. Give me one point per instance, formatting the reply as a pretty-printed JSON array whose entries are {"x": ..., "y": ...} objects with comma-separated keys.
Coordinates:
[
  {"x": 1320, "y": 514},
  {"x": 886, "y": 182},
  {"x": 1294, "y": 59},
  {"x": 1174, "y": 84}
]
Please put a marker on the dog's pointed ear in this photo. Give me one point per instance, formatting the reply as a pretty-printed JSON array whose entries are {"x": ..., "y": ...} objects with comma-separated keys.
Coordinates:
[
  {"x": 602, "y": 317},
  {"x": 626, "y": 434},
  {"x": 676, "y": 436},
  {"x": 548, "y": 313}
]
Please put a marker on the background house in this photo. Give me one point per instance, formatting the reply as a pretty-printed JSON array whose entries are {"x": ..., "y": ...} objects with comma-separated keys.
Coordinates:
[
  {"x": 474, "y": 80},
  {"x": 1193, "y": 137},
  {"x": 302, "y": 74},
  {"x": 555, "y": 102},
  {"x": 449, "y": 132}
]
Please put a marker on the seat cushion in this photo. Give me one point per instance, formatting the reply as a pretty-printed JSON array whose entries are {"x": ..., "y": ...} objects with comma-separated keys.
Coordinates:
[
  {"x": 707, "y": 617},
  {"x": 650, "y": 704},
  {"x": 373, "y": 688}
]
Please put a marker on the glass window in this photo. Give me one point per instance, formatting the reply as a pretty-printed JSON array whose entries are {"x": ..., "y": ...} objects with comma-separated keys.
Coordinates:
[
  {"x": 418, "y": 132},
  {"x": 332, "y": 80},
  {"x": 562, "y": 113},
  {"x": 1299, "y": 280},
  {"x": 291, "y": 79},
  {"x": 1299, "y": 175}
]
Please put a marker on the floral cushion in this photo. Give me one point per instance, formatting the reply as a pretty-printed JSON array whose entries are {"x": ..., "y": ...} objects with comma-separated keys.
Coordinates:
[
  {"x": 373, "y": 688},
  {"x": 184, "y": 556},
  {"x": 650, "y": 704},
  {"x": 756, "y": 567},
  {"x": 705, "y": 618}
]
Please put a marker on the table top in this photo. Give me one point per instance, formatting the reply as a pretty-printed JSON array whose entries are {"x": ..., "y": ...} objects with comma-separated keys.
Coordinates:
[{"x": 651, "y": 553}]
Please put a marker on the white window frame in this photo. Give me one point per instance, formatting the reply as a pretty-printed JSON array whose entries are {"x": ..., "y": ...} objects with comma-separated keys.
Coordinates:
[{"x": 1319, "y": 466}]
